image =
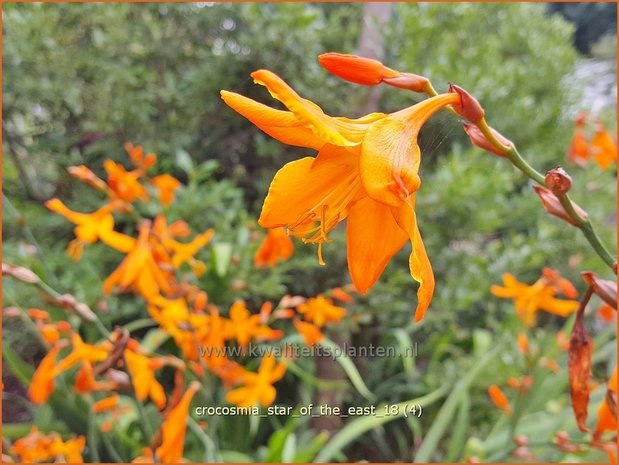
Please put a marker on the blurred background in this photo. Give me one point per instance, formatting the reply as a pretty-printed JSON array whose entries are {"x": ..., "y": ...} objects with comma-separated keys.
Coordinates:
[{"x": 79, "y": 80}]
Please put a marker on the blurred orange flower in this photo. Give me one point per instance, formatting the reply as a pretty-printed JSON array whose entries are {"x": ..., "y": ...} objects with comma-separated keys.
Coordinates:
[
  {"x": 523, "y": 343},
  {"x": 174, "y": 427},
  {"x": 39, "y": 447},
  {"x": 258, "y": 387},
  {"x": 43, "y": 380},
  {"x": 320, "y": 311},
  {"x": 91, "y": 227},
  {"x": 124, "y": 184},
  {"x": 166, "y": 185},
  {"x": 607, "y": 412},
  {"x": 143, "y": 377},
  {"x": 139, "y": 270},
  {"x": 137, "y": 157},
  {"x": 275, "y": 246},
  {"x": 530, "y": 299},
  {"x": 244, "y": 326},
  {"x": 311, "y": 333},
  {"x": 499, "y": 398},
  {"x": 603, "y": 147}
]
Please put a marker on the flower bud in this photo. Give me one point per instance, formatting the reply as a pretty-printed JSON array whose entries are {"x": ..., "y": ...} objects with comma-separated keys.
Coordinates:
[
  {"x": 553, "y": 206},
  {"x": 468, "y": 107},
  {"x": 360, "y": 70},
  {"x": 409, "y": 81},
  {"x": 558, "y": 181},
  {"x": 603, "y": 288},
  {"x": 479, "y": 140}
]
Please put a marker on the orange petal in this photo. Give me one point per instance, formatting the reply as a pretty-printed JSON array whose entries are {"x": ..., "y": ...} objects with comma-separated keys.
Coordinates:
[
  {"x": 308, "y": 113},
  {"x": 305, "y": 185},
  {"x": 420, "y": 266},
  {"x": 281, "y": 125},
  {"x": 373, "y": 238}
]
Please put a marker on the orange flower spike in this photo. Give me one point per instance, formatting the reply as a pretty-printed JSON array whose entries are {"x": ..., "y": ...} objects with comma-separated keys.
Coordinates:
[
  {"x": 258, "y": 387},
  {"x": 43, "y": 384},
  {"x": 166, "y": 185},
  {"x": 143, "y": 377},
  {"x": 276, "y": 246},
  {"x": 499, "y": 398},
  {"x": 320, "y": 311},
  {"x": 83, "y": 173},
  {"x": 311, "y": 333},
  {"x": 603, "y": 147},
  {"x": 174, "y": 427},
  {"x": 124, "y": 184}
]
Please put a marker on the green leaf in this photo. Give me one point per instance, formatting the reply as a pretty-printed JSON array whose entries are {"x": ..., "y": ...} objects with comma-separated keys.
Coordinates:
[{"x": 222, "y": 253}]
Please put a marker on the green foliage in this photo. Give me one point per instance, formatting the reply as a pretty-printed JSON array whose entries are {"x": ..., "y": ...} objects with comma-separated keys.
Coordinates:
[{"x": 81, "y": 79}]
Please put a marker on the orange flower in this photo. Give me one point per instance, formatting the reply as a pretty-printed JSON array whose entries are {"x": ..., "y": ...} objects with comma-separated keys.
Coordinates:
[
  {"x": 166, "y": 185},
  {"x": 258, "y": 387},
  {"x": 42, "y": 384},
  {"x": 83, "y": 353},
  {"x": 137, "y": 157},
  {"x": 124, "y": 184},
  {"x": 139, "y": 270},
  {"x": 320, "y": 311},
  {"x": 244, "y": 326},
  {"x": 311, "y": 333},
  {"x": 275, "y": 246},
  {"x": 174, "y": 427},
  {"x": 92, "y": 227},
  {"x": 499, "y": 398},
  {"x": 563, "y": 341},
  {"x": 143, "y": 378},
  {"x": 38, "y": 447},
  {"x": 366, "y": 170},
  {"x": 530, "y": 300},
  {"x": 603, "y": 147}
]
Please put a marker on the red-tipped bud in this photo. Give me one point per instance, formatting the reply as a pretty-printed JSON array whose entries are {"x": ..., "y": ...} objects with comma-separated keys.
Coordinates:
[
  {"x": 558, "y": 181},
  {"x": 410, "y": 81},
  {"x": 581, "y": 119},
  {"x": 603, "y": 288},
  {"x": 468, "y": 107},
  {"x": 479, "y": 140},
  {"x": 553, "y": 206},
  {"x": 360, "y": 70}
]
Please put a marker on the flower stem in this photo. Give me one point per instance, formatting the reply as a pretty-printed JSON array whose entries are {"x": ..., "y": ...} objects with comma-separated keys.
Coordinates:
[{"x": 583, "y": 224}]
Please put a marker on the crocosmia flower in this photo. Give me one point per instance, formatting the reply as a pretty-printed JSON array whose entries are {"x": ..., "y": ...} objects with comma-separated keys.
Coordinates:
[{"x": 366, "y": 170}]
